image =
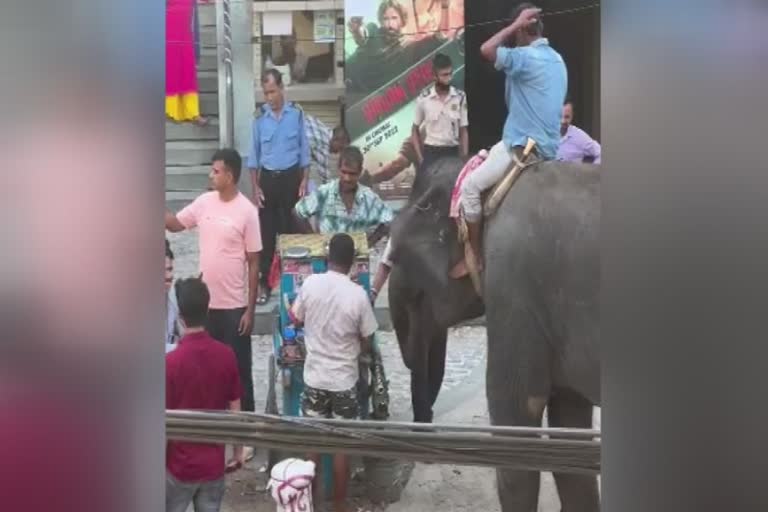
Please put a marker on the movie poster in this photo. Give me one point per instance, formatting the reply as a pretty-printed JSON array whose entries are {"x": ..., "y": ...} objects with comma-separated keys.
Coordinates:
[{"x": 389, "y": 47}]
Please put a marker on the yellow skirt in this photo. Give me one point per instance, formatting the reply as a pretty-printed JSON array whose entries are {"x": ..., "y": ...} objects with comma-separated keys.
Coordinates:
[{"x": 182, "y": 107}]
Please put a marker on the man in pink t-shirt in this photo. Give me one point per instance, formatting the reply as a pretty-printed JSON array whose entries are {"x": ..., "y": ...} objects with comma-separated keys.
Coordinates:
[{"x": 229, "y": 241}]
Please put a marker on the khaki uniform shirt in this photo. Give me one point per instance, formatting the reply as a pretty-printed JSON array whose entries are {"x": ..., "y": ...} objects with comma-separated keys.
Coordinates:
[{"x": 442, "y": 117}]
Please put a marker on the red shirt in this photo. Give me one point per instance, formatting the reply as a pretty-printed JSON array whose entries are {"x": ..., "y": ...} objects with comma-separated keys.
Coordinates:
[{"x": 200, "y": 374}]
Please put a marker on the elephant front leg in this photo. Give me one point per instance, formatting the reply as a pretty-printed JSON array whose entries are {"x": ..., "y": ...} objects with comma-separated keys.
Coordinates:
[
  {"x": 518, "y": 388},
  {"x": 437, "y": 349},
  {"x": 410, "y": 330},
  {"x": 421, "y": 395},
  {"x": 518, "y": 490},
  {"x": 429, "y": 368},
  {"x": 578, "y": 493}
]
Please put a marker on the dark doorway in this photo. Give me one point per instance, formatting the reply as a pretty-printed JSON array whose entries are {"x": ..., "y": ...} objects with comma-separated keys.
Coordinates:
[{"x": 575, "y": 34}]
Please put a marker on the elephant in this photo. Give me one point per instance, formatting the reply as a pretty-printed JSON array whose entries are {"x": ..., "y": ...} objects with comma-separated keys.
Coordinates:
[{"x": 540, "y": 289}]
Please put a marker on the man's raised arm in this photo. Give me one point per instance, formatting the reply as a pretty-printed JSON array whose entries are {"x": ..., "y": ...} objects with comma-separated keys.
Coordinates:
[{"x": 527, "y": 17}]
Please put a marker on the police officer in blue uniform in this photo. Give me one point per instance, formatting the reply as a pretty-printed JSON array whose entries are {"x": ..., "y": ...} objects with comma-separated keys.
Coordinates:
[{"x": 279, "y": 164}]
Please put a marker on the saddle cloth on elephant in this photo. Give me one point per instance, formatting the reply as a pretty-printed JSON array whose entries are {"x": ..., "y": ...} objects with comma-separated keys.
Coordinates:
[
  {"x": 491, "y": 199},
  {"x": 470, "y": 166}
]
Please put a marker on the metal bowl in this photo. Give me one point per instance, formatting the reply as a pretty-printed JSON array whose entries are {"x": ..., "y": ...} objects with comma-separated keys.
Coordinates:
[{"x": 297, "y": 252}]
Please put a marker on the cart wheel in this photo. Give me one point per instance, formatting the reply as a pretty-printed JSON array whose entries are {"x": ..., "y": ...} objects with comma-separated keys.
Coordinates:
[{"x": 271, "y": 407}]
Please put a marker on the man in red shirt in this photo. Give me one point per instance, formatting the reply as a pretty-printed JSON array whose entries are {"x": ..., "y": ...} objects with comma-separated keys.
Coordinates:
[{"x": 200, "y": 374}]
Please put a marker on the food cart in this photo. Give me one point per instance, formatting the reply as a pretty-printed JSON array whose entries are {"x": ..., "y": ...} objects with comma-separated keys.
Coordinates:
[{"x": 301, "y": 256}]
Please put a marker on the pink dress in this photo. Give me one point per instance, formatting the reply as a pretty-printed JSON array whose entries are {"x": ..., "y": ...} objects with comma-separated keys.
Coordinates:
[{"x": 180, "y": 66}]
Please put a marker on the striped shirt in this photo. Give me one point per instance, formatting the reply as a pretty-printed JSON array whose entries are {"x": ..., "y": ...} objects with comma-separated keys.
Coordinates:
[
  {"x": 368, "y": 210},
  {"x": 319, "y": 138}
]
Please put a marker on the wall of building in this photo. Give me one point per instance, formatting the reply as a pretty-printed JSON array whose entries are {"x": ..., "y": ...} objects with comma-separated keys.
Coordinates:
[{"x": 323, "y": 100}]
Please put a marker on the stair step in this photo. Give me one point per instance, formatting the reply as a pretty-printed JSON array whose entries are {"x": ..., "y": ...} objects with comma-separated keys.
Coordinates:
[
  {"x": 195, "y": 182},
  {"x": 209, "y": 103},
  {"x": 208, "y": 81},
  {"x": 208, "y": 37},
  {"x": 189, "y": 153},
  {"x": 206, "y": 15},
  {"x": 183, "y": 197},
  {"x": 189, "y": 131},
  {"x": 179, "y": 170},
  {"x": 208, "y": 61}
]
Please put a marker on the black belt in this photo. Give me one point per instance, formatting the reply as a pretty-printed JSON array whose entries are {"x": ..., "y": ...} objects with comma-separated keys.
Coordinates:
[
  {"x": 441, "y": 149},
  {"x": 283, "y": 171}
]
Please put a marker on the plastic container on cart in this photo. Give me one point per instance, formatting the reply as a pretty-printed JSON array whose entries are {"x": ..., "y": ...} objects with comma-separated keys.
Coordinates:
[{"x": 291, "y": 352}]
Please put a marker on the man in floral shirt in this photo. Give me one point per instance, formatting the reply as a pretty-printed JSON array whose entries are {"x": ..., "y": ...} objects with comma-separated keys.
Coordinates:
[{"x": 343, "y": 205}]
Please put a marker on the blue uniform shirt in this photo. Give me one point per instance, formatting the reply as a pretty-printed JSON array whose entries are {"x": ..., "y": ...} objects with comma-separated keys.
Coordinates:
[
  {"x": 279, "y": 144},
  {"x": 537, "y": 82}
]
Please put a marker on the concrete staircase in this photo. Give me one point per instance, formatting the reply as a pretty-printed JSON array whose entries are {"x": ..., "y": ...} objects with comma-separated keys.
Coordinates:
[{"x": 188, "y": 148}]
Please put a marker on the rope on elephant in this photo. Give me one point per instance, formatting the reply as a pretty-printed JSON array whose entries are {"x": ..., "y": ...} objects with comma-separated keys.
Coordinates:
[{"x": 523, "y": 448}]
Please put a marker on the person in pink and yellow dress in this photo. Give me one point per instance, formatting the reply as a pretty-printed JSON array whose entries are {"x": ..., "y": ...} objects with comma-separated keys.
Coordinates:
[{"x": 182, "y": 100}]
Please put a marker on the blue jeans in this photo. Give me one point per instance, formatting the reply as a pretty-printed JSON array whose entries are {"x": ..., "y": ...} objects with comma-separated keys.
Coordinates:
[{"x": 206, "y": 496}]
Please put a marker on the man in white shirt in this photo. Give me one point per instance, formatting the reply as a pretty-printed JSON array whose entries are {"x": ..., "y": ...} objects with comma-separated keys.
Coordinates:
[{"x": 338, "y": 325}]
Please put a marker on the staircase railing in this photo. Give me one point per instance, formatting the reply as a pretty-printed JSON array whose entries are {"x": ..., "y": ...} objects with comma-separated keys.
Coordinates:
[{"x": 224, "y": 54}]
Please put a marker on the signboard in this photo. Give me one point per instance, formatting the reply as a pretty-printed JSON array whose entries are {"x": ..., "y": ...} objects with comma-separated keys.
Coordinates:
[
  {"x": 389, "y": 47},
  {"x": 324, "y": 26}
]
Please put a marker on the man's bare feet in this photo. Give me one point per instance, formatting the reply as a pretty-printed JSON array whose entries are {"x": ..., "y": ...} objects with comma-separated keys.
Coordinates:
[{"x": 200, "y": 121}]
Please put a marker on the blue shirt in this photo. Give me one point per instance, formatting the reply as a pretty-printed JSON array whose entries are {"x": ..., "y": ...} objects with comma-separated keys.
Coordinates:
[
  {"x": 537, "y": 82},
  {"x": 280, "y": 143}
]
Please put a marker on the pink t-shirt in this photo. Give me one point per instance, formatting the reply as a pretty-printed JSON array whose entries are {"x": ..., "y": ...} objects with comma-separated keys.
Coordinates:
[{"x": 228, "y": 230}]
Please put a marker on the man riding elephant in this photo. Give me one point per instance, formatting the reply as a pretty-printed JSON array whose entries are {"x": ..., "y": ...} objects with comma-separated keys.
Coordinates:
[{"x": 537, "y": 83}]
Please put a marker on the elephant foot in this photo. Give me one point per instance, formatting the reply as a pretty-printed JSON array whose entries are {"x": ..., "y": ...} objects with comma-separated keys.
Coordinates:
[{"x": 424, "y": 417}]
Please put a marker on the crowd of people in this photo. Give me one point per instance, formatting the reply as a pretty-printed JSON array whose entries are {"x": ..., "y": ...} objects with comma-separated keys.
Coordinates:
[{"x": 306, "y": 177}]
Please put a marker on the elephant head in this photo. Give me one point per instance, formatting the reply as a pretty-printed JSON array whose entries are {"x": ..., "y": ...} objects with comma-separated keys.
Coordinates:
[{"x": 425, "y": 245}]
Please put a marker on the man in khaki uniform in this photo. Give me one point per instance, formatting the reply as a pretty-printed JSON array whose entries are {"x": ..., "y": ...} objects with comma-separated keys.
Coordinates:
[{"x": 442, "y": 110}]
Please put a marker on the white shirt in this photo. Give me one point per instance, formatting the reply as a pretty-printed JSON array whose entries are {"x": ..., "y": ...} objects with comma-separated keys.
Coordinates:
[
  {"x": 441, "y": 116},
  {"x": 336, "y": 315}
]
